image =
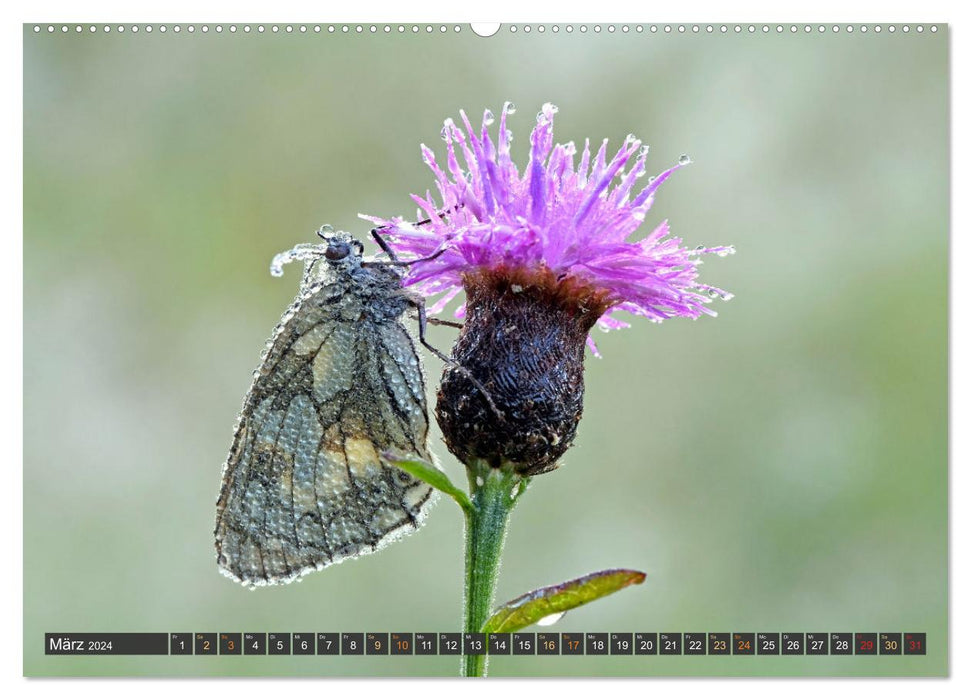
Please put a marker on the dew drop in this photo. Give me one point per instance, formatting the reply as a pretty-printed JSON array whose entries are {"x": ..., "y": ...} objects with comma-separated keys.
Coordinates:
[
  {"x": 510, "y": 108},
  {"x": 645, "y": 149},
  {"x": 444, "y": 133},
  {"x": 727, "y": 296},
  {"x": 550, "y": 619},
  {"x": 684, "y": 159},
  {"x": 488, "y": 117},
  {"x": 725, "y": 252},
  {"x": 326, "y": 228},
  {"x": 651, "y": 179}
]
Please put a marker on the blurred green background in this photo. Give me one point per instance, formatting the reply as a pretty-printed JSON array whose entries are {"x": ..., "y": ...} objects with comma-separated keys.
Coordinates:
[{"x": 780, "y": 468}]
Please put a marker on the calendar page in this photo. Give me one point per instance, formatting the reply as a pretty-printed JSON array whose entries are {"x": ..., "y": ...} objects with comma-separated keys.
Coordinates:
[{"x": 519, "y": 350}]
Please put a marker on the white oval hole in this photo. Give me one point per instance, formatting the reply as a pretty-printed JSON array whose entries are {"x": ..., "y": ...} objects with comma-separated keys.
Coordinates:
[{"x": 485, "y": 29}]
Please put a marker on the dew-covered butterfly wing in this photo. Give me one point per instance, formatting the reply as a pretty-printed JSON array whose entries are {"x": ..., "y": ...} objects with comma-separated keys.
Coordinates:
[{"x": 340, "y": 383}]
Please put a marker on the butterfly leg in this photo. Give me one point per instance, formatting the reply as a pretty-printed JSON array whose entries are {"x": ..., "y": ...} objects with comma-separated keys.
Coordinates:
[
  {"x": 383, "y": 244},
  {"x": 423, "y": 320},
  {"x": 440, "y": 322}
]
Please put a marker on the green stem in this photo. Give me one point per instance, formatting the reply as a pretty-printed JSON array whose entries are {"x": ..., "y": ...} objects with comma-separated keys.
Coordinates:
[{"x": 494, "y": 493}]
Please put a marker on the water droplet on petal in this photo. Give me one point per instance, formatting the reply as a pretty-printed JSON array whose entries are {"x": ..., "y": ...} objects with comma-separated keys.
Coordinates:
[
  {"x": 326, "y": 228},
  {"x": 488, "y": 117},
  {"x": 510, "y": 108},
  {"x": 684, "y": 159},
  {"x": 651, "y": 179},
  {"x": 550, "y": 619},
  {"x": 644, "y": 150},
  {"x": 444, "y": 133}
]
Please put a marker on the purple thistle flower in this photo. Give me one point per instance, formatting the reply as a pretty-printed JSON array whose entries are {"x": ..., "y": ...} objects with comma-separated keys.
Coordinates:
[
  {"x": 573, "y": 221},
  {"x": 542, "y": 257}
]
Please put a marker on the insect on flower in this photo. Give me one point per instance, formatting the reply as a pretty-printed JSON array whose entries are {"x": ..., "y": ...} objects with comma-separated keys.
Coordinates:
[{"x": 339, "y": 384}]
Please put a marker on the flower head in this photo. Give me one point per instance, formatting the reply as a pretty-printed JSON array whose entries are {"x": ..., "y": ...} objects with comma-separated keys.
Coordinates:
[
  {"x": 571, "y": 221},
  {"x": 543, "y": 256}
]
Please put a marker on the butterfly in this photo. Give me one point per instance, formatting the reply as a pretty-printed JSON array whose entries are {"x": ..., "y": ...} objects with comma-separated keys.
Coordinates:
[{"x": 340, "y": 383}]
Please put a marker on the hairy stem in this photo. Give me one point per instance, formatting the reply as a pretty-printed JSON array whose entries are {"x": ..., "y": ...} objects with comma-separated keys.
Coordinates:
[{"x": 494, "y": 493}]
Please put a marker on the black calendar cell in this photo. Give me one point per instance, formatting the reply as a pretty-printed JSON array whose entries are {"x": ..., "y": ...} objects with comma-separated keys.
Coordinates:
[
  {"x": 793, "y": 643},
  {"x": 426, "y": 643},
  {"x": 915, "y": 643},
  {"x": 645, "y": 643},
  {"x": 328, "y": 644},
  {"x": 719, "y": 643},
  {"x": 402, "y": 644},
  {"x": 180, "y": 643},
  {"x": 473, "y": 643},
  {"x": 865, "y": 643},
  {"x": 743, "y": 643},
  {"x": 817, "y": 643},
  {"x": 278, "y": 643},
  {"x": 230, "y": 643},
  {"x": 450, "y": 643},
  {"x": 254, "y": 643},
  {"x": 621, "y": 643},
  {"x": 352, "y": 644},
  {"x": 571, "y": 644},
  {"x": 500, "y": 644},
  {"x": 596, "y": 643},
  {"x": 206, "y": 644},
  {"x": 767, "y": 643},
  {"x": 669, "y": 643},
  {"x": 524, "y": 643},
  {"x": 694, "y": 644},
  {"x": 304, "y": 643},
  {"x": 841, "y": 643},
  {"x": 548, "y": 643},
  {"x": 890, "y": 644},
  {"x": 376, "y": 644}
]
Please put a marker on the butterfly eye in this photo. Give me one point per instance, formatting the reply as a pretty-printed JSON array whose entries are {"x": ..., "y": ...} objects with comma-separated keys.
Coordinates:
[{"x": 337, "y": 251}]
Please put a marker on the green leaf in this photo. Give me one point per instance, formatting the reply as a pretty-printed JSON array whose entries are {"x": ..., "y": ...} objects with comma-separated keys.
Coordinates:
[
  {"x": 549, "y": 600},
  {"x": 431, "y": 475}
]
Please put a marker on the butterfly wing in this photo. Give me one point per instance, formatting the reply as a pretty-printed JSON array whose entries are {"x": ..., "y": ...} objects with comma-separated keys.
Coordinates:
[{"x": 303, "y": 486}]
